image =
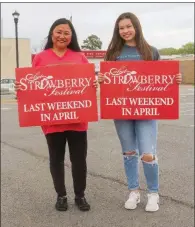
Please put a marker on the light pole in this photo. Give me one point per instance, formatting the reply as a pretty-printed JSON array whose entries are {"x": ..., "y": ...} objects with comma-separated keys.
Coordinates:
[{"x": 16, "y": 16}]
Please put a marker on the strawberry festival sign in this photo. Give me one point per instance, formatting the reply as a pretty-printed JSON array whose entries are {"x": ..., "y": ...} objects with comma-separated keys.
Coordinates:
[
  {"x": 58, "y": 94},
  {"x": 139, "y": 90}
]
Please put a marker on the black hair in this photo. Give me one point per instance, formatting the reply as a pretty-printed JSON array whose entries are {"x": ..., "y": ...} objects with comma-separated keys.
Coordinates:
[{"x": 74, "y": 42}]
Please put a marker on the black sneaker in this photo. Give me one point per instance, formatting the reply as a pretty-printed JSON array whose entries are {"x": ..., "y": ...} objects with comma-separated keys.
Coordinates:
[
  {"x": 61, "y": 204},
  {"x": 82, "y": 204}
]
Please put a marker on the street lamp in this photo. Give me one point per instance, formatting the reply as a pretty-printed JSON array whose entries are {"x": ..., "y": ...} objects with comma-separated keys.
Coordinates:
[{"x": 16, "y": 16}]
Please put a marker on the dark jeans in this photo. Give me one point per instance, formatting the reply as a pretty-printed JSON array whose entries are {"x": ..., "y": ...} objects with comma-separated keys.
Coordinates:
[{"x": 77, "y": 142}]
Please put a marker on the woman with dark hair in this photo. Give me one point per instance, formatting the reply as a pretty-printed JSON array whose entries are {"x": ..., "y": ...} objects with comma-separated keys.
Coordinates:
[
  {"x": 62, "y": 46},
  {"x": 138, "y": 138}
]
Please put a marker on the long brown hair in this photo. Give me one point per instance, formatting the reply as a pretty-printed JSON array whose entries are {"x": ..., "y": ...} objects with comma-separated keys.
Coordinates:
[{"x": 117, "y": 42}]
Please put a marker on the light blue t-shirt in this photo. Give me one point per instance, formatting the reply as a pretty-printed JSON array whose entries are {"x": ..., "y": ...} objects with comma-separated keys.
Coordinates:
[{"x": 129, "y": 53}]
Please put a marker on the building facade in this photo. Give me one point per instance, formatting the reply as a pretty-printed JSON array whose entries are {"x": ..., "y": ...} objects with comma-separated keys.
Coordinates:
[{"x": 8, "y": 56}]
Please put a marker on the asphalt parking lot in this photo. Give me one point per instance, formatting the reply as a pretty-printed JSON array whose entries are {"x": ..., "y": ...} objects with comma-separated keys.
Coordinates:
[{"x": 27, "y": 192}]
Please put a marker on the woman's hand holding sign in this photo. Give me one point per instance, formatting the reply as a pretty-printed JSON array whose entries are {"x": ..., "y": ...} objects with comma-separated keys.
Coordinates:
[
  {"x": 17, "y": 86},
  {"x": 95, "y": 84},
  {"x": 101, "y": 78},
  {"x": 179, "y": 78}
]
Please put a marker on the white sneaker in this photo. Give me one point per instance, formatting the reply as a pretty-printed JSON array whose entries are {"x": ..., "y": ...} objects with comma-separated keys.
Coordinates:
[
  {"x": 134, "y": 199},
  {"x": 153, "y": 202}
]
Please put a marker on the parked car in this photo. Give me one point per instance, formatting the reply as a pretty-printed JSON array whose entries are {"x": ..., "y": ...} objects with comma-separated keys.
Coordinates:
[{"x": 7, "y": 86}]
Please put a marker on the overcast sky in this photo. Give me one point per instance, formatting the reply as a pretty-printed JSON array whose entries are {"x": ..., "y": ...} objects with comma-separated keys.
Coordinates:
[{"x": 164, "y": 24}]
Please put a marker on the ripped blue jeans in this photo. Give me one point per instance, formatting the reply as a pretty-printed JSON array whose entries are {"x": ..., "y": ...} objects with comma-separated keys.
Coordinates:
[{"x": 139, "y": 137}]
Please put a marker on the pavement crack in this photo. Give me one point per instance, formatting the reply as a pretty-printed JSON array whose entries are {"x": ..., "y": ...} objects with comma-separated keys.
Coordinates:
[
  {"x": 93, "y": 174},
  {"x": 25, "y": 150}
]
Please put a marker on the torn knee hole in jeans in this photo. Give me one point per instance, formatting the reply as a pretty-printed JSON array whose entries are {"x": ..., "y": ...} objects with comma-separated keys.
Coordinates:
[
  {"x": 149, "y": 158},
  {"x": 130, "y": 153}
]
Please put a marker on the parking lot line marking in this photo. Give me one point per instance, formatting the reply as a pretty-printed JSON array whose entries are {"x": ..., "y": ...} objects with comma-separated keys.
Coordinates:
[
  {"x": 183, "y": 111},
  {"x": 186, "y": 103},
  {"x": 5, "y": 108},
  {"x": 186, "y": 94},
  {"x": 187, "y": 114},
  {"x": 8, "y": 102}
]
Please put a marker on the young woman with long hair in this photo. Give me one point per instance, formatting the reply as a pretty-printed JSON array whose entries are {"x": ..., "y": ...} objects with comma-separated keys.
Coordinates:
[{"x": 138, "y": 138}]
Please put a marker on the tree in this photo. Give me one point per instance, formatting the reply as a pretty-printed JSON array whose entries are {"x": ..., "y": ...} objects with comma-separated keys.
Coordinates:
[
  {"x": 188, "y": 48},
  {"x": 92, "y": 43},
  {"x": 168, "y": 51}
]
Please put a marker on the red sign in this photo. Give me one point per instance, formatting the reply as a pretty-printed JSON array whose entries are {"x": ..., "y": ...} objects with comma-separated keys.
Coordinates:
[
  {"x": 58, "y": 94},
  {"x": 94, "y": 53},
  {"x": 139, "y": 90}
]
